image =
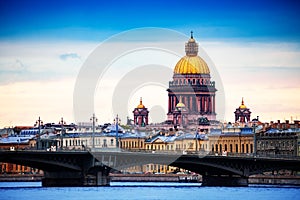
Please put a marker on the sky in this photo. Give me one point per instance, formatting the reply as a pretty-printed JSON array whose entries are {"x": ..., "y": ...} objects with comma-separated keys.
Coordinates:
[{"x": 44, "y": 45}]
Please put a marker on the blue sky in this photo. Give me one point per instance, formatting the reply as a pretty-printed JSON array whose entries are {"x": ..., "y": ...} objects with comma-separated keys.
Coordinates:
[
  {"x": 255, "y": 46},
  {"x": 79, "y": 19}
]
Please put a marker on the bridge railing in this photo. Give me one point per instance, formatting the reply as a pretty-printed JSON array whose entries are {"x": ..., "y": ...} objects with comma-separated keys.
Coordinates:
[{"x": 173, "y": 152}]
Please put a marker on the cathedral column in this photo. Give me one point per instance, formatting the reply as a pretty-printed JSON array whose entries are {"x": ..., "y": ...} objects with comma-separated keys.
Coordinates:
[
  {"x": 214, "y": 104},
  {"x": 173, "y": 102},
  {"x": 202, "y": 104},
  {"x": 198, "y": 104},
  {"x": 191, "y": 103},
  {"x": 169, "y": 104},
  {"x": 206, "y": 104},
  {"x": 209, "y": 105}
]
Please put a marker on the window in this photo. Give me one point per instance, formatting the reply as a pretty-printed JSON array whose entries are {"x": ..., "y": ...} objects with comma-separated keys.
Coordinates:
[{"x": 111, "y": 142}]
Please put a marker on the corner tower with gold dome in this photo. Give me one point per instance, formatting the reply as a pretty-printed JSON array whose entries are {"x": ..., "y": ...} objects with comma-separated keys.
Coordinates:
[
  {"x": 140, "y": 115},
  {"x": 192, "y": 87},
  {"x": 242, "y": 113}
]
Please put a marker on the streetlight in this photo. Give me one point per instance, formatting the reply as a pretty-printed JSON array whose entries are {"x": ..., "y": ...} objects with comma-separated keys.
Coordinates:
[
  {"x": 116, "y": 122},
  {"x": 196, "y": 140},
  {"x": 254, "y": 137},
  {"x": 38, "y": 123},
  {"x": 93, "y": 119},
  {"x": 61, "y": 122}
]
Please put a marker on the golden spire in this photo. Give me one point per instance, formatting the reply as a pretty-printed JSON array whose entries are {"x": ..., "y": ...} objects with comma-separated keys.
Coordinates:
[
  {"x": 180, "y": 104},
  {"x": 141, "y": 104},
  {"x": 242, "y": 106}
]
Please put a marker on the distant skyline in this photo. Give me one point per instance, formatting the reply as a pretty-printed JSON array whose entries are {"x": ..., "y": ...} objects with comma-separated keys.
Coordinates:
[{"x": 255, "y": 46}]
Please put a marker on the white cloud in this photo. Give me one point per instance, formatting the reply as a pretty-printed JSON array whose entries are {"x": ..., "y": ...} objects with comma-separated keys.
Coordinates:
[{"x": 67, "y": 56}]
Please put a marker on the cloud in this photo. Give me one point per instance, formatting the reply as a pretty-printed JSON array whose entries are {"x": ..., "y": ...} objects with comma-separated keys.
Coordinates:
[
  {"x": 13, "y": 66},
  {"x": 67, "y": 56},
  {"x": 25, "y": 61}
]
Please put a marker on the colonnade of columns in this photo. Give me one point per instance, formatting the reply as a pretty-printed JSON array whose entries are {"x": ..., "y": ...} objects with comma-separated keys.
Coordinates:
[{"x": 193, "y": 103}]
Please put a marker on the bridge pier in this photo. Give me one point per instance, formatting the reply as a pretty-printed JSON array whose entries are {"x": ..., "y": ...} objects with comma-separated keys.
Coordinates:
[
  {"x": 62, "y": 179},
  {"x": 103, "y": 179},
  {"x": 224, "y": 180}
]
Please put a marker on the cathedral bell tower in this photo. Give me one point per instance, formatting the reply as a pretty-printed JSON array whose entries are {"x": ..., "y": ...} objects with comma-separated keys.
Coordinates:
[
  {"x": 242, "y": 113},
  {"x": 140, "y": 115}
]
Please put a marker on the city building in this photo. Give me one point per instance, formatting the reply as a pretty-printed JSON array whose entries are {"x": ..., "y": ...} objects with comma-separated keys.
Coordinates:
[
  {"x": 24, "y": 140},
  {"x": 133, "y": 141},
  {"x": 191, "y": 143},
  {"x": 78, "y": 141},
  {"x": 279, "y": 139},
  {"x": 231, "y": 140},
  {"x": 191, "y": 93}
]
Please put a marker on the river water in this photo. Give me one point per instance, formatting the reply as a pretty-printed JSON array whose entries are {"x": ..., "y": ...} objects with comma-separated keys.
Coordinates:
[{"x": 140, "y": 191}]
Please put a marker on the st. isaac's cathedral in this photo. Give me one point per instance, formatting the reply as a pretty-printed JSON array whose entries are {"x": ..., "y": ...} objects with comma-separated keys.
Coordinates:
[{"x": 191, "y": 94}]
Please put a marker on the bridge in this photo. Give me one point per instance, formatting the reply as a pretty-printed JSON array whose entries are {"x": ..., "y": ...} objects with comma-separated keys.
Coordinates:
[{"x": 80, "y": 168}]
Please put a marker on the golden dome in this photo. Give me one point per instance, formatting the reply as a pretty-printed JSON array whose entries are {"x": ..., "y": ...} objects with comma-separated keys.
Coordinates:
[
  {"x": 191, "y": 40},
  {"x": 191, "y": 65},
  {"x": 180, "y": 105},
  {"x": 192, "y": 37},
  {"x": 141, "y": 104},
  {"x": 242, "y": 106}
]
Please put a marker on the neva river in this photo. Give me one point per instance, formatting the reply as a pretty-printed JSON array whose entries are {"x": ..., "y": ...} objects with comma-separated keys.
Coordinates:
[{"x": 140, "y": 191}]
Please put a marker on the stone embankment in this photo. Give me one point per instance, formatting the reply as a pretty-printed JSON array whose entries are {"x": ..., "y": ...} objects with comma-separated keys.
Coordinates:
[
  {"x": 274, "y": 180},
  {"x": 20, "y": 177},
  {"x": 255, "y": 179},
  {"x": 155, "y": 178}
]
